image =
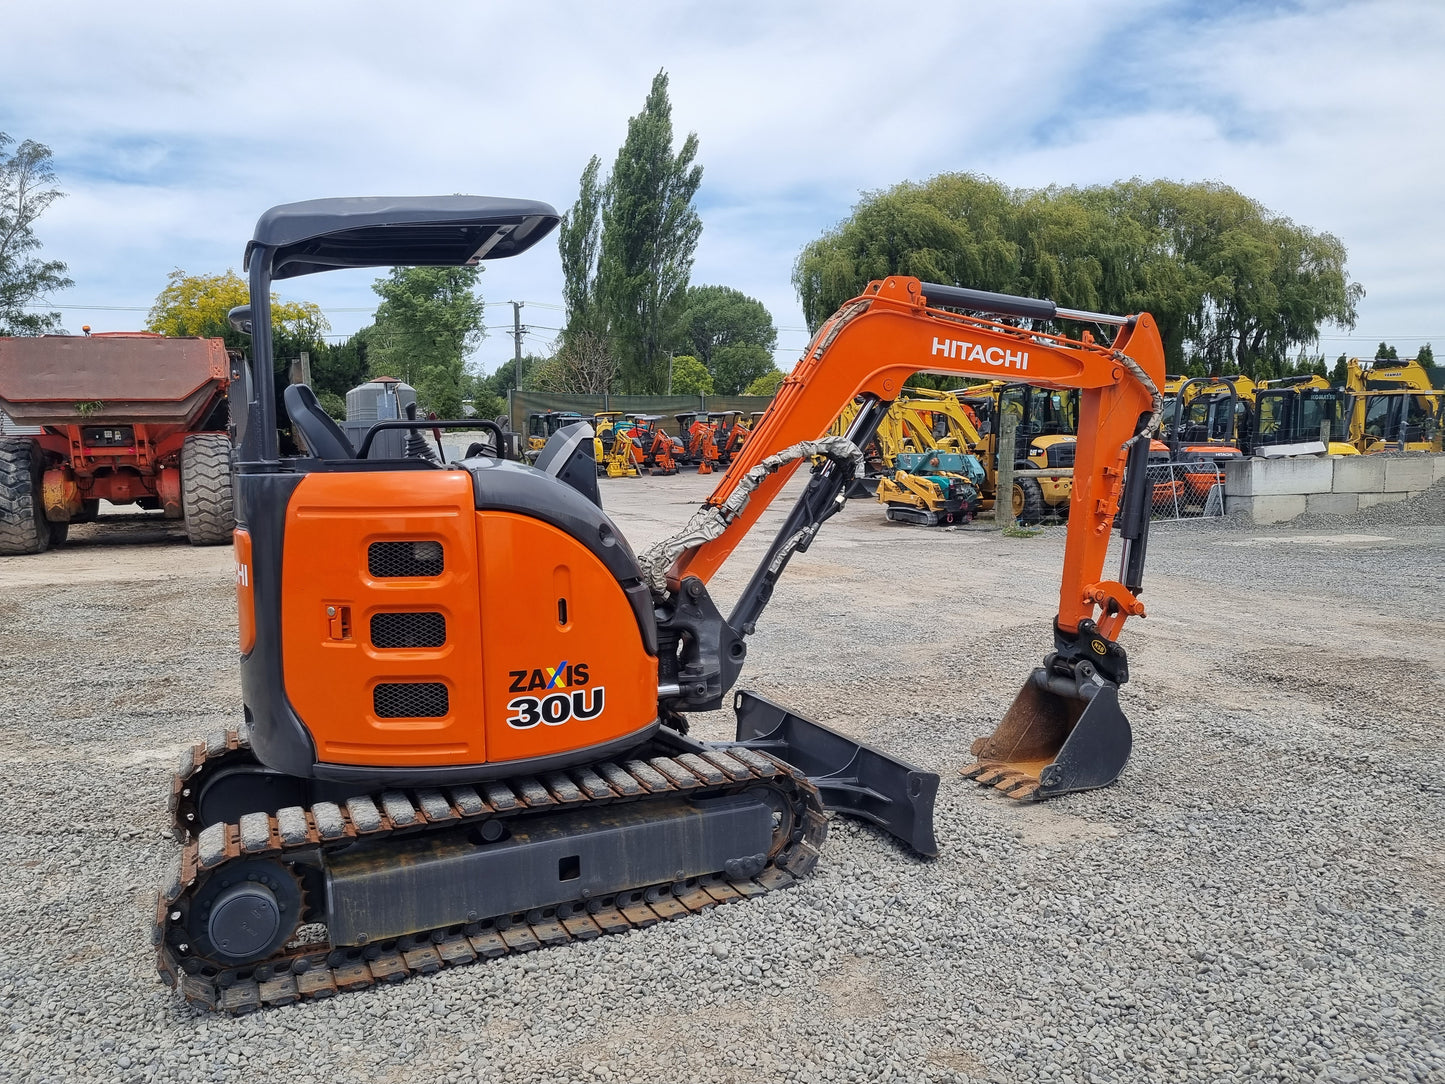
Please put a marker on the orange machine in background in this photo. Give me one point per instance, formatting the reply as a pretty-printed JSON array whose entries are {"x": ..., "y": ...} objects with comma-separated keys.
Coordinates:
[{"x": 125, "y": 417}]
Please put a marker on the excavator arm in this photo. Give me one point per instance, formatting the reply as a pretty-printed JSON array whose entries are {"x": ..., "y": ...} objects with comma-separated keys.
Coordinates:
[
  {"x": 867, "y": 349},
  {"x": 877, "y": 341}
]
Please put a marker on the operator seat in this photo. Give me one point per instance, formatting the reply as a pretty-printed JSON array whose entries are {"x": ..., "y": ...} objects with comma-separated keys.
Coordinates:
[{"x": 324, "y": 438}]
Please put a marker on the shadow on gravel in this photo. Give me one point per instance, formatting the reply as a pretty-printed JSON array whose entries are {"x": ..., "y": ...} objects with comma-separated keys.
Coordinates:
[{"x": 126, "y": 530}]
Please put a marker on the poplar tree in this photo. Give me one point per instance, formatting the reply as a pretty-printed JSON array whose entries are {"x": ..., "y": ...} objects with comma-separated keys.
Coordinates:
[
  {"x": 578, "y": 236},
  {"x": 650, "y": 231}
]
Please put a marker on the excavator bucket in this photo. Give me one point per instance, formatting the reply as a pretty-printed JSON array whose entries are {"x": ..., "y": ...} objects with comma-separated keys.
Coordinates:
[
  {"x": 1059, "y": 735},
  {"x": 852, "y": 778}
]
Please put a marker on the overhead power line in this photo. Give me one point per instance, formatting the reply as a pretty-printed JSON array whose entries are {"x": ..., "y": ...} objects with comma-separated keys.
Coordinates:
[{"x": 75, "y": 306}]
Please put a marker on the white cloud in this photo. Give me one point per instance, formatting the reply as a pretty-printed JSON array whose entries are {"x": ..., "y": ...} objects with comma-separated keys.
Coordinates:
[{"x": 175, "y": 125}]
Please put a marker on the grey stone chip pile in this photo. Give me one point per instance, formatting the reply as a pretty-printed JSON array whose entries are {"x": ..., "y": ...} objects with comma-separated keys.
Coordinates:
[{"x": 1261, "y": 897}]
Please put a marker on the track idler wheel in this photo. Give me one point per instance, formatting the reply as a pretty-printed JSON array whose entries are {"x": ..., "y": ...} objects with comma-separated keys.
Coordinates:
[
  {"x": 1062, "y": 733},
  {"x": 242, "y": 915}
]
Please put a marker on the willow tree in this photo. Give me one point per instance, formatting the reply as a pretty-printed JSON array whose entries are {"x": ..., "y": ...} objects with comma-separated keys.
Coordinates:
[{"x": 1232, "y": 285}]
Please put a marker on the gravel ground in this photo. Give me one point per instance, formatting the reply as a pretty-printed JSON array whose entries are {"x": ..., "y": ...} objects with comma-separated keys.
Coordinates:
[{"x": 1260, "y": 897}]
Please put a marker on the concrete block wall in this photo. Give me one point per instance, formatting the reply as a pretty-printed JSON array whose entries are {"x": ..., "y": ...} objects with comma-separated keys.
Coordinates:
[{"x": 1278, "y": 490}]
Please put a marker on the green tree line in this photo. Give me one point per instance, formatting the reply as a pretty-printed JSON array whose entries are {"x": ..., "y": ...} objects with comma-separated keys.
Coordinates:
[{"x": 1233, "y": 285}]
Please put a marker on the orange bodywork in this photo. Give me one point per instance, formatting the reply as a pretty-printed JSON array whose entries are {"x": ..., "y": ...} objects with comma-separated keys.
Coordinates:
[
  {"x": 875, "y": 342},
  {"x": 1198, "y": 483},
  {"x": 1166, "y": 490},
  {"x": 659, "y": 454},
  {"x": 530, "y": 616},
  {"x": 116, "y": 408},
  {"x": 702, "y": 443}
]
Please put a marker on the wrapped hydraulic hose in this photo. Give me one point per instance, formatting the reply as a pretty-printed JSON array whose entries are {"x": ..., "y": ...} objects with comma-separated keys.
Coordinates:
[{"x": 710, "y": 521}]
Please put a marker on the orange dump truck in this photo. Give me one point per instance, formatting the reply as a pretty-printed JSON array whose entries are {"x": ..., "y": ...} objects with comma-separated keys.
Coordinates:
[{"x": 126, "y": 417}]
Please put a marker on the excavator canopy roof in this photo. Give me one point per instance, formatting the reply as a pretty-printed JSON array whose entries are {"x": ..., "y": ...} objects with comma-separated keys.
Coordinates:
[{"x": 397, "y": 231}]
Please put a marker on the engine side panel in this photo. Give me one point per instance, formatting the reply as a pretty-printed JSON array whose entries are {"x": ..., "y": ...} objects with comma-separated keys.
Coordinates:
[
  {"x": 367, "y": 555},
  {"x": 565, "y": 664},
  {"x": 417, "y": 632}
]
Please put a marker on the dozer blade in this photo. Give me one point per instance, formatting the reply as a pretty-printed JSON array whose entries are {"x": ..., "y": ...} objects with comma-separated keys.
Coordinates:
[
  {"x": 1059, "y": 735},
  {"x": 852, "y": 778},
  {"x": 865, "y": 487}
]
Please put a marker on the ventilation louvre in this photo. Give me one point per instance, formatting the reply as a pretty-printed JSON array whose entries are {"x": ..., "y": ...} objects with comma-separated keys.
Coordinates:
[
  {"x": 389, "y": 560},
  {"x": 410, "y": 700},
  {"x": 396, "y": 630}
]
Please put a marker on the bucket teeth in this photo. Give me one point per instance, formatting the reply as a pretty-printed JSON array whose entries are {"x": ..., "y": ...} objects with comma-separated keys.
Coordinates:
[
  {"x": 986, "y": 775},
  {"x": 1017, "y": 785}
]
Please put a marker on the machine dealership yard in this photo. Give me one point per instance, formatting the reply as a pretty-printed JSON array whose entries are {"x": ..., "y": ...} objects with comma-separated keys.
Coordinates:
[{"x": 1260, "y": 896}]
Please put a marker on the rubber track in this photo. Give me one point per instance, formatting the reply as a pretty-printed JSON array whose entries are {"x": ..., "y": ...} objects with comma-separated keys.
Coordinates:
[
  {"x": 21, "y": 529},
  {"x": 206, "y": 495},
  {"x": 309, "y": 971}
]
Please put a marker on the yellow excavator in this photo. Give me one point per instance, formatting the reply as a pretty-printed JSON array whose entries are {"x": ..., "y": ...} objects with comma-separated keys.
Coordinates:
[
  {"x": 1395, "y": 408},
  {"x": 542, "y": 424},
  {"x": 938, "y": 419},
  {"x": 1289, "y": 413},
  {"x": 1209, "y": 427},
  {"x": 1172, "y": 384}
]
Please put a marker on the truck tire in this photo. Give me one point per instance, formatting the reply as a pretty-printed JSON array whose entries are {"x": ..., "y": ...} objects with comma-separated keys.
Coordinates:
[
  {"x": 206, "y": 501},
  {"x": 23, "y": 527},
  {"x": 1028, "y": 501}
]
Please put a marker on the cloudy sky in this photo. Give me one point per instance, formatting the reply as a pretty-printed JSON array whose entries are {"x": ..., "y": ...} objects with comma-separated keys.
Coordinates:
[{"x": 174, "y": 125}]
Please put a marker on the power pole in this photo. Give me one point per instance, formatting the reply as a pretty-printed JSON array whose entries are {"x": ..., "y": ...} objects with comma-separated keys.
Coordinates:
[{"x": 518, "y": 330}]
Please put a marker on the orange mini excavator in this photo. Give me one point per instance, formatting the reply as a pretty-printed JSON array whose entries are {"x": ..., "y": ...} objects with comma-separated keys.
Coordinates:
[{"x": 465, "y": 695}]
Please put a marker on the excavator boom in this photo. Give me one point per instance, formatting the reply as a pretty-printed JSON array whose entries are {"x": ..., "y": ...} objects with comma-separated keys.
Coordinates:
[
  {"x": 1064, "y": 731},
  {"x": 875, "y": 342}
]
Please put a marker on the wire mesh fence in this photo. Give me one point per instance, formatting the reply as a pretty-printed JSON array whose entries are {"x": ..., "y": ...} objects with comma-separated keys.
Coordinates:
[
  {"x": 1179, "y": 490},
  {"x": 1186, "y": 490}
]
